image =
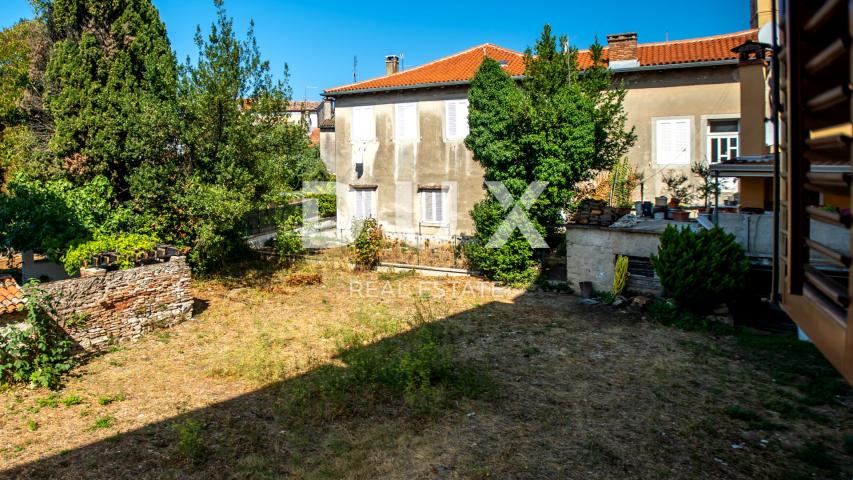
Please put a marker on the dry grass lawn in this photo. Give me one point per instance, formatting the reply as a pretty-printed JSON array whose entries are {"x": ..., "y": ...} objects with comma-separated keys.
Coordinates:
[{"x": 278, "y": 377}]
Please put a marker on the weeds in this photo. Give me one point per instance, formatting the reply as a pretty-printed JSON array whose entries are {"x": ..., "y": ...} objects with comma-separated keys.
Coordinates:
[
  {"x": 32, "y": 425},
  {"x": 189, "y": 444},
  {"x": 102, "y": 423},
  {"x": 667, "y": 313},
  {"x": 72, "y": 400},
  {"x": 105, "y": 400},
  {"x": 416, "y": 368}
]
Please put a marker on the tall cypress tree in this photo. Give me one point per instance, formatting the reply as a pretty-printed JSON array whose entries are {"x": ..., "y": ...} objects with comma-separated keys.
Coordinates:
[{"x": 109, "y": 86}]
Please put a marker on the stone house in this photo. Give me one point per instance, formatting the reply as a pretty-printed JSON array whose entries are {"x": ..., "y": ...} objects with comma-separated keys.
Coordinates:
[
  {"x": 11, "y": 301},
  {"x": 399, "y": 139}
]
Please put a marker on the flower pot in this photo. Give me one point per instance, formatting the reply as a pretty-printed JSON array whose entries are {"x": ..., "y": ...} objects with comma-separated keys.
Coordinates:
[{"x": 681, "y": 216}]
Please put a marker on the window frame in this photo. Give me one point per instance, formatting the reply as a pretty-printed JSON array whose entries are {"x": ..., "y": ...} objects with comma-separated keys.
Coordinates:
[
  {"x": 712, "y": 137},
  {"x": 360, "y": 192},
  {"x": 436, "y": 197}
]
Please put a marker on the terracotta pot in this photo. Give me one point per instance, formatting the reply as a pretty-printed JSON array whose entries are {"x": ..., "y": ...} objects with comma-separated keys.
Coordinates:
[{"x": 681, "y": 216}]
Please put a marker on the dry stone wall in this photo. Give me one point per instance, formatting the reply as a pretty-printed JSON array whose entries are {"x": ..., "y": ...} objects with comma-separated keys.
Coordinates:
[{"x": 103, "y": 307}]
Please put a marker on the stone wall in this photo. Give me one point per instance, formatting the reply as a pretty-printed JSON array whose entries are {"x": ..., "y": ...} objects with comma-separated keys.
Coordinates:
[{"x": 122, "y": 305}]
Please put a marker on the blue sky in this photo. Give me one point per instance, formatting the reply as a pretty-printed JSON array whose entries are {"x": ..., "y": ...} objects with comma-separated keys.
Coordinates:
[{"x": 319, "y": 39}]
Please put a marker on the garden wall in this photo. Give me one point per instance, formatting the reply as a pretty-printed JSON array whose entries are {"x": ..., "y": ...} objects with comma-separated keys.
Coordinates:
[
  {"x": 591, "y": 254},
  {"x": 122, "y": 305}
]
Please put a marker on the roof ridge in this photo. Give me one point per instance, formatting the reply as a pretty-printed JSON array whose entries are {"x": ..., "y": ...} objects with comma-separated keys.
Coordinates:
[
  {"x": 699, "y": 39},
  {"x": 423, "y": 65}
]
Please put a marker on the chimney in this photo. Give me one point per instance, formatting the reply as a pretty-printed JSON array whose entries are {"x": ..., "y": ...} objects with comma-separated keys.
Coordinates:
[
  {"x": 327, "y": 111},
  {"x": 622, "y": 50},
  {"x": 392, "y": 64}
]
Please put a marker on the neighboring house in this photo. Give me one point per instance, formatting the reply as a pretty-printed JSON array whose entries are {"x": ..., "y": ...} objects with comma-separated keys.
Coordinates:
[
  {"x": 400, "y": 155},
  {"x": 327, "y": 135},
  {"x": 309, "y": 112}
]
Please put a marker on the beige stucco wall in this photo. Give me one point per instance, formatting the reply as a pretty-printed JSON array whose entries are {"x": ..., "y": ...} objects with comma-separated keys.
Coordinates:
[
  {"x": 700, "y": 94},
  {"x": 397, "y": 168},
  {"x": 328, "y": 148}
]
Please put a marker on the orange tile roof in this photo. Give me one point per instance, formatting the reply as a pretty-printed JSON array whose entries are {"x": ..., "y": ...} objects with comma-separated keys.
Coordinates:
[
  {"x": 11, "y": 296},
  {"x": 314, "y": 137},
  {"x": 462, "y": 66}
]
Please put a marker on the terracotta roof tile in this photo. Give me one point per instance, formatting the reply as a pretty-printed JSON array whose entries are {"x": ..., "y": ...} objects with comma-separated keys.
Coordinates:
[
  {"x": 300, "y": 106},
  {"x": 314, "y": 136},
  {"x": 462, "y": 66},
  {"x": 11, "y": 295}
]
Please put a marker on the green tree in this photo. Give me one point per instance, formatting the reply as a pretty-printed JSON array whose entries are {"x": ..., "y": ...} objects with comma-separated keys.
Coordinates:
[
  {"x": 558, "y": 125},
  {"x": 238, "y": 146},
  {"x": 14, "y": 81},
  {"x": 109, "y": 87}
]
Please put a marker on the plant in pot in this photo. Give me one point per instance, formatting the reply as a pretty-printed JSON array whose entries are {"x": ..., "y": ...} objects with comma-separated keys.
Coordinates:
[
  {"x": 708, "y": 186},
  {"x": 678, "y": 188}
]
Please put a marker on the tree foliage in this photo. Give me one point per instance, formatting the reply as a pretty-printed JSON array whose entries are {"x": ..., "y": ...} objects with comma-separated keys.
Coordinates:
[
  {"x": 179, "y": 153},
  {"x": 558, "y": 125}
]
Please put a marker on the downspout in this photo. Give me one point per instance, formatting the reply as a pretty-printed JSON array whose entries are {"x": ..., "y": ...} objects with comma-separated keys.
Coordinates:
[{"x": 774, "y": 65}]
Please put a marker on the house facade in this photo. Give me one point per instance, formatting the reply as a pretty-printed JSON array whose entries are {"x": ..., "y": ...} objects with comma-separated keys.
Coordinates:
[{"x": 399, "y": 139}]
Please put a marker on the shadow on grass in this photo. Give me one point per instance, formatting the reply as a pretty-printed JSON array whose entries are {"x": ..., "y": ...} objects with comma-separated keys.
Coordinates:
[{"x": 380, "y": 391}]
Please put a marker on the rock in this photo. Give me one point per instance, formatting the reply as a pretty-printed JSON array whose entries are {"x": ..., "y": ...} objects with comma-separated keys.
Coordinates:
[
  {"x": 619, "y": 301},
  {"x": 724, "y": 319},
  {"x": 589, "y": 301}
]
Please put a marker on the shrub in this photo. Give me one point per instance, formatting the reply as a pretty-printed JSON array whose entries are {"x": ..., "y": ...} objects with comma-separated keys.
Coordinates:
[
  {"x": 288, "y": 240},
  {"x": 700, "y": 270},
  {"x": 368, "y": 243},
  {"x": 190, "y": 444},
  {"x": 326, "y": 204},
  {"x": 39, "y": 352},
  {"x": 126, "y": 245},
  {"x": 512, "y": 263}
]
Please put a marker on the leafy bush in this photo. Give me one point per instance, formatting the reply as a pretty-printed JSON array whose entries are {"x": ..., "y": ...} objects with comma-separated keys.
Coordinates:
[
  {"x": 190, "y": 444},
  {"x": 39, "y": 352},
  {"x": 288, "y": 240},
  {"x": 512, "y": 263},
  {"x": 125, "y": 245},
  {"x": 700, "y": 270},
  {"x": 368, "y": 243},
  {"x": 326, "y": 204}
]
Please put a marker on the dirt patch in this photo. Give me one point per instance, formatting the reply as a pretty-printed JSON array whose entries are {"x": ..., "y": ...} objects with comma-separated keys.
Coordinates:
[{"x": 579, "y": 392}]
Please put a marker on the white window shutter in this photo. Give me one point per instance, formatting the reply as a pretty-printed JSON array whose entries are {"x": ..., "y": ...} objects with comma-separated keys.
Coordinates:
[
  {"x": 451, "y": 119},
  {"x": 429, "y": 212},
  {"x": 462, "y": 119},
  {"x": 363, "y": 124},
  {"x": 681, "y": 141},
  {"x": 439, "y": 206},
  {"x": 673, "y": 141},
  {"x": 406, "y": 120}
]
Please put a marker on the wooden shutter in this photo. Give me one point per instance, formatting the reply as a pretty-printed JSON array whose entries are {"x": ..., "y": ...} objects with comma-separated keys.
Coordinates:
[
  {"x": 429, "y": 211},
  {"x": 438, "y": 195},
  {"x": 816, "y": 73}
]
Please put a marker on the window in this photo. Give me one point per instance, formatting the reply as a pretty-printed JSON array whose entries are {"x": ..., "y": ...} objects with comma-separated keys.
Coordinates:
[
  {"x": 672, "y": 139},
  {"x": 722, "y": 140},
  {"x": 364, "y": 198},
  {"x": 363, "y": 125},
  {"x": 406, "y": 121},
  {"x": 456, "y": 119},
  {"x": 432, "y": 206}
]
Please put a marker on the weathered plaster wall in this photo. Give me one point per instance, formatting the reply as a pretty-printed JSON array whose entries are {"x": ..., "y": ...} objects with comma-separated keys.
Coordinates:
[
  {"x": 122, "y": 305},
  {"x": 701, "y": 94},
  {"x": 396, "y": 168},
  {"x": 327, "y": 149},
  {"x": 591, "y": 252}
]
